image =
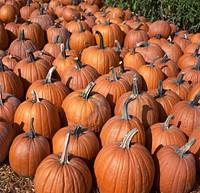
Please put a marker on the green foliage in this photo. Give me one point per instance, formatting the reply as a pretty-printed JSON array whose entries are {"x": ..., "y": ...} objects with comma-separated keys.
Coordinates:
[{"x": 184, "y": 13}]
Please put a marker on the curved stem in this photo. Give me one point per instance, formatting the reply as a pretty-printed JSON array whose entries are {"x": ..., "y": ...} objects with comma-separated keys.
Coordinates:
[
  {"x": 179, "y": 80},
  {"x": 49, "y": 75},
  {"x": 164, "y": 59},
  {"x": 16, "y": 19},
  {"x": 122, "y": 70},
  {"x": 68, "y": 45},
  {"x": 86, "y": 93},
  {"x": 119, "y": 48},
  {"x": 195, "y": 54},
  {"x": 21, "y": 36},
  {"x": 160, "y": 89},
  {"x": 113, "y": 76},
  {"x": 133, "y": 51},
  {"x": 1, "y": 97},
  {"x": 167, "y": 121},
  {"x": 79, "y": 65},
  {"x": 142, "y": 44},
  {"x": 31, "y": 56},
  {"x": 135, "y": 91},
  {"x": 62, "y": 50},
  {"x": 125, "y": 115},
  {"x": 151, "y": 65},
  {"x": 65, "y": 154},
  {"x": 81, "y": 26},
  {"x": 35, "y": 97},
  {"x": 77, "y": 131},
  {"x": 139, "y": 26},
  {"x": 1, "y": 65},
  {"x": 56, "y": 39},
  {"x": 183, "y": 150},
  {"x": 197, "y": 67},
  {"x": 195, "y": 101},
  {"x": 31, "y": 134},
  {"x": 101, "y": 39},
  {"x": 126, "y": 141}
]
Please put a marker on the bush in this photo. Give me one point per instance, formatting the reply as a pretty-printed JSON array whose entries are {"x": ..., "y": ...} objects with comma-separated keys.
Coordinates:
[{"x": 184, "y": 13}]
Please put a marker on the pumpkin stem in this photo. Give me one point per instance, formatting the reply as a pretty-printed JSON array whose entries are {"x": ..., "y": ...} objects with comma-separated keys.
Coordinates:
[
  {"x": 195, "y": 101},
  {"x": 35, "y": 97},
  {"x": 77, "y": 131},
  {"x": 86, "y": 93},
  {"x": 135, "y": 91},
  {"x": 122, "y": 70},
  {"x": 49, "y": 75},
  {"x": 160, "y": 92},
  {"x": 57, "y": 25},
  {"x": 1, "y": 65},
  {"x": 31, "y": 56},
  {"x": 183, "y": 150},
  {"x": 164, "y": 59},
  {"x": 68, "y": 45},
  {"x": 151, "y": 65},
  {"x": 139, "y": 26},
  {"x": 113, "y": 77},
  {"x": 56, "y": 39},
  {"x": 125, "y": 115},
  {"x": 169, "y": 40},
  {"x": 108, "y": 22},
  {"x": 79, "y": 65},
  {"x": 75, "y": 18},
  {"x": 158, "y": 36},
  {"x": 142, "y": 44},
  {"x": 28, "y": 3},
  {"x": 81, "y": 26},
  {"x": 119, "y": 48},
  {"x": 16, "y": 19},
  {"x": 41, "y": 9},
  {"x": 133, "y": 51},
  {"x": 64, "y": 159},
  {"x": 62, "y": 50},
  {"x": 1, "y": 97},
  {"x": 179, "y": 80},
  {"x": 31, "y": 134},
  {"x": 126, "y": 141},
  {"x": 197, "y": 66},
  {"x": 195, "y": 54},
  {"x": 167, "y": 121},
  {"x": 101, "y": 39},
  {"x": 92, "y": 3},
  {"x": 21, "y": 36}
]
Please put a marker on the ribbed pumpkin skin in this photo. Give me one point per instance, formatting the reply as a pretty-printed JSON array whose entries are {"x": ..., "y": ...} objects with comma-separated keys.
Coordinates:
[
  {"x": 157, "y": 137},
  {"x": 51, "y": 176},
  {"x": 174, "y": 174},
  {"x": 120, "y": 170},
  {"x": 116, "y": 127},
  {"x": 85, "y": 146},
  {"x": 26, "y": 154},
  {"x": 193, "y": 92},
  {"x": 144, "y": 107},
  {"x": 186, "y": 117},
  {"x": 45, "y": 114},
  {"x": 91, "y": 113},
  {"x": 6, "y": 136}
]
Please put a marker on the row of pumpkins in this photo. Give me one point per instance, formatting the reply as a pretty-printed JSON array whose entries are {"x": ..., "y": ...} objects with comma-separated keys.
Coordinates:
[{"x": 93, "y": 95}]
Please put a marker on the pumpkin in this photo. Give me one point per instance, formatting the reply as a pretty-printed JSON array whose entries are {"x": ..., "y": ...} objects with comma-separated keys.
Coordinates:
[
  {"x": 151, "y": 74},
  {"x": 4, "y": 40},
  {"x": 78, "y": 76},
  {"x": 134, "y": 59},
  {"x": 87, "y": 108},
  {"x": 111, "y": 87},
  {"x": 83, "y": 142},
  {"x": 27, "y": 151},
  {"x": 144, "y": 107},
  {"x": 121, "y": 52},
  {"x": 100, "y": 57},
  {"x": 20, "y": 46},
  {"x": 31, "y": 69},
  {"x": 69, "y": 13},
  {"x": 34, "y": 32},
  {"x": 196, "y": 38},
  {"x": 10, "y": 82},
  {"x": 178, "y": 85},
  {"x": 133, "y": 162},
  {"x": 192, "y": 48},
  {"x": 193, "y": 92},
  {"x": 44, "y": 112},
  {"x": 163, "y": 133},
  {"x": 7, "y": 134},
  {"x": 186, "y": 115},
  {"x": 165, "y": 99},
  {"x": 44, "y": 55},
  {"x": 158, "y": 40},
  {"x": 171, "y": 162},
  {"x": 70, "y": 173},
  {"x": 182, "y": 41},
  {"x": 117, "y": 126},
  {"x": 134, "y": 36},
  {"x": 8, "y": 106},
  {"x": 7, "y": 13},
  {"x": 10, "y": 61}
]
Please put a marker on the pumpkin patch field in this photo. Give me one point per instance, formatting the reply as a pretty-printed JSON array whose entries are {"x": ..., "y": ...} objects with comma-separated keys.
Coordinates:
[{"x": 97, "y": 98}]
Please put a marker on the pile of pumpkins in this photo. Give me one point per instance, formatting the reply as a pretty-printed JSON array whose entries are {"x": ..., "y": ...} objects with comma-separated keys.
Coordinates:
[{"x": 94, "y": 95}]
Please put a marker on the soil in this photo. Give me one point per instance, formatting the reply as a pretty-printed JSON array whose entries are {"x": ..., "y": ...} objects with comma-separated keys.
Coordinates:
[{"x": 12, "y": 183}]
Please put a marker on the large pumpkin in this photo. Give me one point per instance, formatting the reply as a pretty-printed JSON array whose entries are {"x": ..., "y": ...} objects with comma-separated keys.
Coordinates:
[{"x": 124, "y": 167}]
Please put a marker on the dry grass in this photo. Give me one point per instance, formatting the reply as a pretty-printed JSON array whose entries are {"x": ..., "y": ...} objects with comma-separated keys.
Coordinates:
[{"x": 12, "y": 183}]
